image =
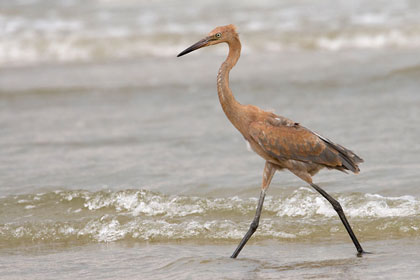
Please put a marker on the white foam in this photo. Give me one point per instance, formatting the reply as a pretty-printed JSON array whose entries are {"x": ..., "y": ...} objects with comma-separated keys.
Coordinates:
[
  {"x": 370, "y": 19},
  {"x": 142, "y": 203},
  {"x": 67, "y": 230},
  {"x": 144, "y": 215},
  {"x": 380, "y": 206},
  {"x": 307, "y": 204},
  {"x": 30, "y": 36},
  {"x": 393, "y": 38},
  {"x": 19, "y": 232},
  {"x": 26, "y": 47},
  {"x": 110, "y": 232},
  {"x": 303, "y": 203}
]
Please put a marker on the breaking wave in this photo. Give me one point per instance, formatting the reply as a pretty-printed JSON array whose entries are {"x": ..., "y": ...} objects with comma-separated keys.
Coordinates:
[
  {"x": 80, "y": 31},
  {"x": 143, "y": 216},
  {"x": 113, "y": 44}
]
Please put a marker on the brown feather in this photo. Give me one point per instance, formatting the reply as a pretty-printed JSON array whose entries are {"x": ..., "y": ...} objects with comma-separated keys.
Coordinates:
[
  {"x": 283, "y": 143},
  {"x": 295, "y": 142}
]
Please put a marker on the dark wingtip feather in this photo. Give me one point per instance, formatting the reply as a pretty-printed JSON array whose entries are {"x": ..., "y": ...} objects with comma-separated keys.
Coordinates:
[
  {"x": 349, "y": 160},
  {"x": 349, "y": 165}
]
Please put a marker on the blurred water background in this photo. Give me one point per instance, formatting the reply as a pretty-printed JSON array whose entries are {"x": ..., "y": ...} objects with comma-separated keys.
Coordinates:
[{"x": 117, "y": 162}]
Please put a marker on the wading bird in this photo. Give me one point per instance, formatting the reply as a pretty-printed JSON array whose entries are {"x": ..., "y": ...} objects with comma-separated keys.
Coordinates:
[{"x": 284, "y": 144}]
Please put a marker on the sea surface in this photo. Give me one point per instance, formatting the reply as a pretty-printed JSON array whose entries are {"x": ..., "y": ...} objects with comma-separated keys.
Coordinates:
[{"x": 117, "y": 161}]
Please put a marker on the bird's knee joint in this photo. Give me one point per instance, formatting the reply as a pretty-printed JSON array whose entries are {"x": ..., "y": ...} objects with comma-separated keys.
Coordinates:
[
  {"x": 254, "y": 225},
  {"x": 337, "y": 206}
]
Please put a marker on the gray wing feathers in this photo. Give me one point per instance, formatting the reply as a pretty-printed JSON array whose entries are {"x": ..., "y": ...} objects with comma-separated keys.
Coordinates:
[{"x": 348, "y": 158}]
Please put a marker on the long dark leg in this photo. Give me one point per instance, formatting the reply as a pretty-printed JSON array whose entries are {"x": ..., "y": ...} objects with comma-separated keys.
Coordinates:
[
  {"x": 268, "y": 175},
  {"x": 253, "y": 227},
  {"x": 340, "y": 212}
]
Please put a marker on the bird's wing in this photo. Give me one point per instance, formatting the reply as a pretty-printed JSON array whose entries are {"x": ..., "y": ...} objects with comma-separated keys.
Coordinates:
[{"x": 296, "y": 142}]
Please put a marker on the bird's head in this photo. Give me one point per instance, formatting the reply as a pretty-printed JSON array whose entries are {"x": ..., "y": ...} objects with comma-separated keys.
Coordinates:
[{"x": 221, "y": 34}]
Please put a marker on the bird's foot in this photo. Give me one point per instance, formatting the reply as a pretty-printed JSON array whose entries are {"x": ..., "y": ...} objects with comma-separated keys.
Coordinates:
[{"x": 360, "y": 254}]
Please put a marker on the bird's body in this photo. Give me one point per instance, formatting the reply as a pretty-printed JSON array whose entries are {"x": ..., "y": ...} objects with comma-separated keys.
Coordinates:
[{"x": 284, "y": 144}]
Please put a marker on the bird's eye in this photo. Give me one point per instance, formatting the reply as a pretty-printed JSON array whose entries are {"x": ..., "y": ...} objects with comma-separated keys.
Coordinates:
[{"x": 218, "y": 35}]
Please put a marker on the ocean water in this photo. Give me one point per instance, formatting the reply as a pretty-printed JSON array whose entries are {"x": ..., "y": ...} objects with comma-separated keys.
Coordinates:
[{"x": 117, "y": 162}]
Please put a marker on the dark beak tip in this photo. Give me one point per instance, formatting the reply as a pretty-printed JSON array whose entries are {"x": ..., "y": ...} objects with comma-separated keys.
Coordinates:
[
  {"x": 198, "y": 45},
  {"x": 182, "y": 53}
]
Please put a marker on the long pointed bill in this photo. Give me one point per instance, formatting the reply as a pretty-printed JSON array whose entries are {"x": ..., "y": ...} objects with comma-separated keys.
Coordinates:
[{"x": 196, "y": 46}]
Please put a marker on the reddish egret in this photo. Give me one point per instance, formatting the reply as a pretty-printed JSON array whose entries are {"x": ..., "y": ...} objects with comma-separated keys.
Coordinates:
[{"x": 284, "y": 144}]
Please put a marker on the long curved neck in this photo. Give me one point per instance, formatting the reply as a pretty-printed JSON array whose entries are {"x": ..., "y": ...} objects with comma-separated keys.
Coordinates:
[{"x": 227, "y": 100}]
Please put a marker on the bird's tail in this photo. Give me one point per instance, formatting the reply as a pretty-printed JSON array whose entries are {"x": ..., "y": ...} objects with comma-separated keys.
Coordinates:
[{"x": 348, "y": 158}]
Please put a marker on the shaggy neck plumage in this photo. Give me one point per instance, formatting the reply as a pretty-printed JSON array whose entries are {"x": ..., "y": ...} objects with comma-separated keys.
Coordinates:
[{"x": 227, "y": 100}]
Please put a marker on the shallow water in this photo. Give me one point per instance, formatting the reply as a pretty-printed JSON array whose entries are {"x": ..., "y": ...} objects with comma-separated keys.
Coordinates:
[
  {"x": 116, "y": 160},
  {"x": 262, "y": 260}
]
